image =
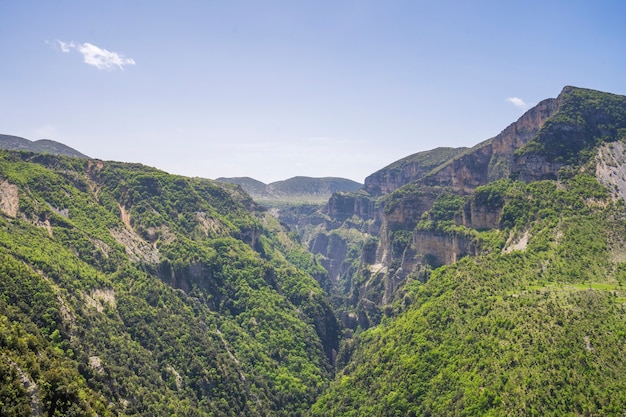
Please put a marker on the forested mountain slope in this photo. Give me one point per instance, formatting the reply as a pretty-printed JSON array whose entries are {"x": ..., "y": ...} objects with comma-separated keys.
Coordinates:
[
  {"x": 374, "y": 241},
  {"x": 481, "y": 281},
  {"x": 535, "y": 325},
  {"x": 502, "y": 298},
  {"x": 128, "y": 291}
]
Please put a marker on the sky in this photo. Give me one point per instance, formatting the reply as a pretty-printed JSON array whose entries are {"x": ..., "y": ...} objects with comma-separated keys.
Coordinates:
[{"x": 274, "y": 89}]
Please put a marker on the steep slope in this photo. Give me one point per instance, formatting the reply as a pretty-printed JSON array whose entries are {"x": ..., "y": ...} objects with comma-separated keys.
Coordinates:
[
  {"x": 406, "y": 170},
  {"x": 16, "y": 143},
  {"x": 533, "y": 324},
  {"x": 492, "y": 159},
  {"x": 128, "y": 291},
  {"x": 376, "y": 243},
  {"x": 495, "y": 296},
  {"x": 586, "y": 120},
  {"x": 490, "y": 284}
]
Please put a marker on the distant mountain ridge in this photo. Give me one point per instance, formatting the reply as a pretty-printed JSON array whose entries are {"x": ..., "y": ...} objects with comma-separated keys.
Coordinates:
[
  {"x": 16, "y": 143},
  {"x": 296, "y": 189}
]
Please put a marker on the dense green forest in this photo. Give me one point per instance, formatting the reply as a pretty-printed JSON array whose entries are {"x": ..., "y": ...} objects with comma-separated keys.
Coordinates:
[
  {"x": 532, "y": 319},
  {"x": 538, "y": 330},
  {"x": 127, "y": 291}
]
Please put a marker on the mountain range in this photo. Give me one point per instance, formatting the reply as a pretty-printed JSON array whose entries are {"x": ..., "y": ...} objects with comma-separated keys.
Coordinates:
[
  {"x": 294, "y": 190},
  {"x": 16, "y": 143},
  {"x": 457, "y": 281}
]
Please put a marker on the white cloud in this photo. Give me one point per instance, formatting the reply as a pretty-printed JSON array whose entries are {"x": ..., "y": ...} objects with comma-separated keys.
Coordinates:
[
  {"x": 65, "y": 46},
  {"x": 517, "y": 102},
  {"x": 95, "y": 56}
]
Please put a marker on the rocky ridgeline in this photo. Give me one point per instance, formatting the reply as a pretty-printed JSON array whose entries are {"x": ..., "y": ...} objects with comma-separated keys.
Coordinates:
[{"x": 371, "y": 241}]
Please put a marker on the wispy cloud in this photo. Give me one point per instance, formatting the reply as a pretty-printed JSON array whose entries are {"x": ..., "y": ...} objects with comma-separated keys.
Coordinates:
[
  {"x": 517, "y": 102},
  {"x": 95, "y": 56}
]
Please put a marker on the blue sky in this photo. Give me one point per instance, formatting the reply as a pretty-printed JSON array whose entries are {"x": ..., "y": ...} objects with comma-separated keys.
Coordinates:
[{"x": 274, "y": 89}]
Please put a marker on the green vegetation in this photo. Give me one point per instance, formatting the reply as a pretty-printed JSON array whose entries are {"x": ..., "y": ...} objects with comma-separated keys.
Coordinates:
[
  {"x": 128, "y": 291},
  {"x": 586, "y": 119},
  {"x": 411, "y": 169},
  {"x": 537, "y": 331}
]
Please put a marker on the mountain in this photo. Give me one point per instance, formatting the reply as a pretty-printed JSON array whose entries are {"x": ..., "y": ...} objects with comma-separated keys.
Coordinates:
[
  {"x": 493, "y": 283},
  {"x": 375, "y": 228},
  {"x": 129, "y": 291},
  {"x": 39, "y": 146},
  {"x": 478, "y": 281},
  {"x": 257, "y": 189},
  {"x": 408, "y": 169},
  {"x": 296, "y": 190}
]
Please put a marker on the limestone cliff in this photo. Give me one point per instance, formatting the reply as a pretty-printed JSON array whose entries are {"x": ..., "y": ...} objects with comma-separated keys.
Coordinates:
[
  {"x": 440, "y": 248},
  {"x": 611, "y": 168},
  {"x": 493, "y": 158},
  {"x": 407, "y": 170},
  {"x": 342, "y": 206},
  {"x": 424, "y": 210},
  {"x": 478, "y": 215}
]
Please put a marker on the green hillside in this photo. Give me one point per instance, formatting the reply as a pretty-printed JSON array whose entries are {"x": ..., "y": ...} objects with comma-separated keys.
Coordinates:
[
  {"x": 536, "y": 325},
  {"x": 128, "y": 291},
  {"x": 586, "y": 119}
]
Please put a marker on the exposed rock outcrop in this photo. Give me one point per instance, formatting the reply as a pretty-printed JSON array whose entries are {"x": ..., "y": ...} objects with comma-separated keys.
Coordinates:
[
  {"x": 342, "y": 206},
  {"x": 9, "y": 199},
  {"x": 492, "y": 159},
  {"x": 334, "y": 249},
  {"x": 137, "y": 249},
  {"x": 407, "y": 170},
  {"x": 610, "y": 168},
  {"x": 479, "y": 216},
  {"x": 440, "y": 248},
  {"x": 533, "y": 167}
]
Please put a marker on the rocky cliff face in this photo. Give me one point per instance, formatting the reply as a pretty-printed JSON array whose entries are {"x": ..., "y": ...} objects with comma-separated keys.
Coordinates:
[
  {"x": 533, "y": 167},
  {"x": 479, "y": 216},
  {"x": 342, "y": 206},
  {"x": 611, "y": 168},
  {"x": 585, "y": 120},
  {"x": 407, "y": 170},
  {"x": 400, "y": 195},
  {"x": 492, "y": 159},
  {"x": 439, "y": 248},
  {"x": 405, "y": 211},
  {"x": 386, "y": 224},
  {"x": 334, "y": 249}
]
